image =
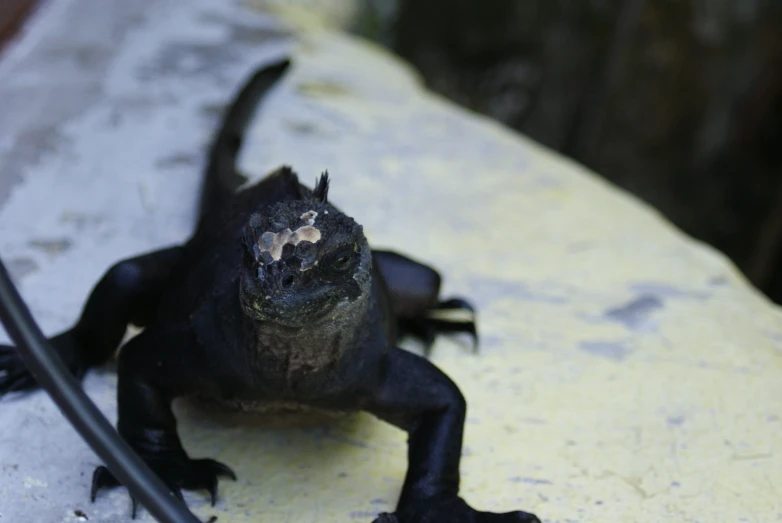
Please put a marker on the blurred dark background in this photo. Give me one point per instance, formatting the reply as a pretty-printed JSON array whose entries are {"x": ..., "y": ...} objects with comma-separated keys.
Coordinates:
[{"x": 676, "y": 101}]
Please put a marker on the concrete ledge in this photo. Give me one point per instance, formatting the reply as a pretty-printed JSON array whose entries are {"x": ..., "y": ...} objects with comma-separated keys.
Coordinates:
[{"x": 627, "y": 373}]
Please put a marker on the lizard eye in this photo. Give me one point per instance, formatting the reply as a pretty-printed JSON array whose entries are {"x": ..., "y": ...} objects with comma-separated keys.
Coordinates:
[{"x": 341, "y": 261}]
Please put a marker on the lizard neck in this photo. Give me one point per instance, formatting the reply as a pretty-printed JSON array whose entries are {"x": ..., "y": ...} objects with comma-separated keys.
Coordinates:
[{"x": 299, "y": 358}]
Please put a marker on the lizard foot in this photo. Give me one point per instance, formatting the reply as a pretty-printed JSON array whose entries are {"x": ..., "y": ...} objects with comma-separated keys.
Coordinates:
[
  {"x": 452, "y": 510},
  {"x": 437, "y": 321},
  {"x": 177, "y": 473},
  {"x": 14, "y": 375}
]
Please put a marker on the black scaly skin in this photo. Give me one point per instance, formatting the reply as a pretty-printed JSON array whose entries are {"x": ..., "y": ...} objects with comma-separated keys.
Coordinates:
[{"x": 228, "y": 317}]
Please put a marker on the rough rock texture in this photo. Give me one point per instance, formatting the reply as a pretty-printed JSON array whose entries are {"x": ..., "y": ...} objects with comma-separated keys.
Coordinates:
[{"x": 627, "y": 373}]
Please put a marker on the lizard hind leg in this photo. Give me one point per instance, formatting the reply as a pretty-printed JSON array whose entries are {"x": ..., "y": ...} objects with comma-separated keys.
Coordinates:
[
  {"x": 414, "y": 290},
  {"x": 441, "y": 319}
]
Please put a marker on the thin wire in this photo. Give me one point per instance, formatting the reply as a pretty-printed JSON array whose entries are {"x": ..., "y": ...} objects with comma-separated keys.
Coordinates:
[{"x": 50, "y": 372}]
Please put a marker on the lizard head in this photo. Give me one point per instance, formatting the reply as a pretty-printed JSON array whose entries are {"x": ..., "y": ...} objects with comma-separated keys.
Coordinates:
[{"x": 305, "y": 261}]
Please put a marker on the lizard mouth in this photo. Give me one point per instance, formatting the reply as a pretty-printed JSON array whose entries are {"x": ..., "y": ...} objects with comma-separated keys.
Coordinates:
[
  {"x": 292, "y": 299},
  {"x": 292, "y": 310},
  {"x": 299, "y": 319},
  {"x": 326, "y": 313}
]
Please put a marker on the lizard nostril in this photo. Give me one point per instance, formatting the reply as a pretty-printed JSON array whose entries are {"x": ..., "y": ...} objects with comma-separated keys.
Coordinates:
[{"x": 287, "y": 281}]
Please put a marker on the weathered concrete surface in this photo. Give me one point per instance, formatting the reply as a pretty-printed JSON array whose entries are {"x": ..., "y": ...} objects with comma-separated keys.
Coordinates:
[{"x": 627, "y": 373}]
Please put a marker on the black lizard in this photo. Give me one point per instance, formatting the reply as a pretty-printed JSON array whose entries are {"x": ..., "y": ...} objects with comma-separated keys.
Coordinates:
[{"x": 277, "y": 298}]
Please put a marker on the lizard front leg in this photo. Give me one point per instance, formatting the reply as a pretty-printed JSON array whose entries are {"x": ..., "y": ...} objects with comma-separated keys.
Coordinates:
[
  {"x": 145, "y": 390},
  {"x": 419, "y": 398},
  {"x": 127, "y": 293}
]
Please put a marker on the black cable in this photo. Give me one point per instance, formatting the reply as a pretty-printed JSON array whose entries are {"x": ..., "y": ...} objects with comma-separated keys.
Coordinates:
[{"x": 50, "y": 372}]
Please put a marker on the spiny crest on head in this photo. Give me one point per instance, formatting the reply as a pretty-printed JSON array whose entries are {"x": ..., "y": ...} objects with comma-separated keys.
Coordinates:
[{"x": 321, "y": 191}]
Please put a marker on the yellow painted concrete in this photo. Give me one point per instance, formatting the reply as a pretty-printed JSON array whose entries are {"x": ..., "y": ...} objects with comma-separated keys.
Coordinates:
[{"x": 627, "y": 372}]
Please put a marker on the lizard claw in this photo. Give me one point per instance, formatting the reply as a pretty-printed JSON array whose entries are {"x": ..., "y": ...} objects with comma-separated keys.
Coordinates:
[
  {"x": 101, "y": 478},
  {"x": 14, "y": 375},
  {"x": 213, "y": 491},
  {"x": 426, "y": 328},
  {"x": 177, "y": 473},
  {"x": 457, "y": 303}
]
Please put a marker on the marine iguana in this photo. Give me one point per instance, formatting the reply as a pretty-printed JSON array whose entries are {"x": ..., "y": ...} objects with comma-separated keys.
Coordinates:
[{"x": 276, "y": 299}]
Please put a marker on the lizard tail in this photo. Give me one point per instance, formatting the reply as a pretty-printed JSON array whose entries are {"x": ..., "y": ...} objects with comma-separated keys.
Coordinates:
[{"x": 222, "y": 178}]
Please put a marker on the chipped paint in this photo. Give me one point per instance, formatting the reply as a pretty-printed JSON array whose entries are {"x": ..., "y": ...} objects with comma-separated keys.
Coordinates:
[
  {"x": 51, "y": 247},
  {"x": 19, "y": 268},
  {"x": 636, "y": 315},
  {"x": 608, "y": 349},
  {"x": 32, "y": 482}
]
